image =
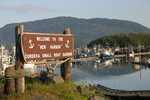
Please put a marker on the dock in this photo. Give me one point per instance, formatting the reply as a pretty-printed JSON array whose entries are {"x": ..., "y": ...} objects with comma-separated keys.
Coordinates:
[
  {"x": 135, "y": 54},
  {"x": 116, "y": 94}
]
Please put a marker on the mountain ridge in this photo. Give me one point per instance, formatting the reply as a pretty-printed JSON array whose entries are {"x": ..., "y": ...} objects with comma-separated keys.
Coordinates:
[{"x": 84, "y": 30}]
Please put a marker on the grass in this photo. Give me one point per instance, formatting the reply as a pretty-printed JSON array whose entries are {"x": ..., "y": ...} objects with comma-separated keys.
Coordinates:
[
  {"x": 36, "y": 90},
  {"x": 53, "y": 91},
  {"x": 2, "y": 80}
]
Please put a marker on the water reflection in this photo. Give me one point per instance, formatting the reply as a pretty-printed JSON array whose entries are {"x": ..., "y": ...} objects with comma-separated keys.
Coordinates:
[
  {"x": 115, "y": 73},
  {"x": 95, "y": 67}
]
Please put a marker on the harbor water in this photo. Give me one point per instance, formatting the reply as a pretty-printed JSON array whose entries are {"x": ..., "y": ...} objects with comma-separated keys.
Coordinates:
[
  {"x": 122, "y": 74},
  {"x": 114, "y": 73}
]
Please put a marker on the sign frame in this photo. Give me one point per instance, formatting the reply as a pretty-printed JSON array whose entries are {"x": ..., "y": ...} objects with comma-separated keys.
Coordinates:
[{"x": 69, "y": 36}]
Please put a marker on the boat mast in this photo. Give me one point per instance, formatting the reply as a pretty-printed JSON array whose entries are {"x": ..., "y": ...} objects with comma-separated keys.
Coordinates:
[{"x": 2, "y": 54}]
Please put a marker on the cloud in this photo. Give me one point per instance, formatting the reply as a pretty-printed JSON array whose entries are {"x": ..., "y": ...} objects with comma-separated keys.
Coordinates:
[{"x": 27, "y": 9}]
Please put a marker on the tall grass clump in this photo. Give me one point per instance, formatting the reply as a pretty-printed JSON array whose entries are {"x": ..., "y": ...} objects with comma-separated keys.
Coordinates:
[
  {"x": 61, "y": 91},
  {"x": 37, "y": 90},
  {"x": 2, "y": 80}
]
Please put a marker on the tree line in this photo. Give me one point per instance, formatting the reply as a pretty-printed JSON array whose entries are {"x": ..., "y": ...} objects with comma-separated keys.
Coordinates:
[{"x": 122, "y": 40}]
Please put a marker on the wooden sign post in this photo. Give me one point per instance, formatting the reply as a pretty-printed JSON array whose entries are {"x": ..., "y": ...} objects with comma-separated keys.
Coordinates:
[
  {"x": 19, "y": 82},
  {"x": 66, "y": 68},
  {"x": 14, "y": 74},
  {"x": 38, "y": 46}
]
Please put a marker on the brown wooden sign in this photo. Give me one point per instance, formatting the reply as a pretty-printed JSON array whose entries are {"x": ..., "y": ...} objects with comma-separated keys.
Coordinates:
[{"x": 38, "y": 46}]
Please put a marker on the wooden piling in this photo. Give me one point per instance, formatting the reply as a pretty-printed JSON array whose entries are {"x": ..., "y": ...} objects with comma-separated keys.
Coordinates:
[
  {"x": 66, "y": 68},
  {"x": 1, "y": 91},
  {"x": 19, "y": 82},
  {"x": 10, "y": 82}
]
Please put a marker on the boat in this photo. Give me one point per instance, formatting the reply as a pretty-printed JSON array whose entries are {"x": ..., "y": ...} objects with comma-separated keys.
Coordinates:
[
  {"x": 77, "y": 57},
  {"x": 30, "y": 65},
  {"x": 4, "y": 59},
  {"x": 148, "y": 61},
  {"x": 31, "y": 70},
  {"x": 107, "y": 53},
  {"x": 130, "y": 54},
  {"x": 147, "y": 64},
  {"x": 97, "y": 54}
]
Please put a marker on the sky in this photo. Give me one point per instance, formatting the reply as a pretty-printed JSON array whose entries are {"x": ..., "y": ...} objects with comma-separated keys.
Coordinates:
[{"x": 14, "y": 11}]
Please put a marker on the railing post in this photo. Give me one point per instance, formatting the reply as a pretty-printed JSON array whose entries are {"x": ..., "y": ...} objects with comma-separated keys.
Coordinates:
[{"x": 19, "y": 82}]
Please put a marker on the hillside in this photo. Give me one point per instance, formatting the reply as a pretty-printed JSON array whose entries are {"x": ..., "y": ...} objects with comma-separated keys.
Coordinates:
[
  {"x": 122, "y": 40},
  {"x": 84, "y": 30}
]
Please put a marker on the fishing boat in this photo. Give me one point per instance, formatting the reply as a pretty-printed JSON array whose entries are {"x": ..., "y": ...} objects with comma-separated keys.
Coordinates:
[{"x": 107, "y": 53}]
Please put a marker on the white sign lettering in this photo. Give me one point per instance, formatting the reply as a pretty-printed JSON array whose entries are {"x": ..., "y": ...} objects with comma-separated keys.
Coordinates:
[
  {"x": 67, "y": 54},
  {"x": 53, "y": 38},
  {"x": 43, "y": 38},
  {"x": 46, "y": 55},
  {"x": 57, "y": 54},
  {"x": 32, "y": 55},
  {"x": 60, "y": 38},
  {"x": 55, "y": 46},
  {"x": 42, "y": 46}
]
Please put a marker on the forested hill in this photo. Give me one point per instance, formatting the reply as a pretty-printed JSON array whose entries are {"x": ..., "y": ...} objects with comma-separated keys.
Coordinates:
[
  {"x": 122, "y": 40},
  {"x": 84, "y": 30}
]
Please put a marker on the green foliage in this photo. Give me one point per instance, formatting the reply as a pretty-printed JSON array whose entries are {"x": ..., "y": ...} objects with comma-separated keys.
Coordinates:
[
  {"x": 2, "y": 80},
  {"x": 68, "y": 95},
  {"x": 123, "y": 40},
  {"x": 64, "y": 91},
  {"x": 36, "y": 90}
]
